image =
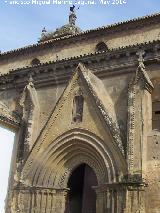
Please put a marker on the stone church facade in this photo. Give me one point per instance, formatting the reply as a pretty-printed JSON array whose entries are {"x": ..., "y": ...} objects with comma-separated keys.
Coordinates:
[{"x": 85, "y": 107}]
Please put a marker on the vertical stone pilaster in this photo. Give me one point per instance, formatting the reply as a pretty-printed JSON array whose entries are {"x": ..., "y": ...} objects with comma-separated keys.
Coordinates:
[
  {"x": 39, "y": 200},
  {"x": 100, "y": 202},
  {"x": 30, "y": 105},
  {"x": 139, "y": 119},
  {"x": 111, "y": 198},
  {"x": 61, "y": 196},
  {"x": 106, "y": 201},
  {"x": 135, "y": 200},
  {"x": 49, "y": 203},
  {"x": 43, "y": 202}
]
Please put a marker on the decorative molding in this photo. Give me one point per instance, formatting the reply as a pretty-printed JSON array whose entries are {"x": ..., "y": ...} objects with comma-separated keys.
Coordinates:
[
  {"x": 141, "y": 73},
  {"x": 111, "y": 122},
  {"x": 8, "y": 117},
  {"x": 96, "y": 152},
  {"x": 118, "y": 27},
  {"x": 63, "y": 179},
  {"x": 140, "y": 78},
  {"x": 131, "y": 125},
  {"x": 44, "y": 74},
  {"x": 30, "y": 105}
]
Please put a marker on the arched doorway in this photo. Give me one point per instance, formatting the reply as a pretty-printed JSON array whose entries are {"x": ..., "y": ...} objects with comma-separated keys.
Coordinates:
[{"x": 82, "y": 197}]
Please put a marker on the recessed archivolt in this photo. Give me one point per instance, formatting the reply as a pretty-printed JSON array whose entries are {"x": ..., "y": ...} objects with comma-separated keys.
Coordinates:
[
  {"x": 60, "y": 161},
  {"x": 62, "y": 178},
  {"x": 73, "y": 148},
  {"x": 53, "y": 166}
]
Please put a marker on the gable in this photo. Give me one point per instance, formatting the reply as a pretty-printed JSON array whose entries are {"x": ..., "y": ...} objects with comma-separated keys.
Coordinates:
[{"x": 98, "y": 117}]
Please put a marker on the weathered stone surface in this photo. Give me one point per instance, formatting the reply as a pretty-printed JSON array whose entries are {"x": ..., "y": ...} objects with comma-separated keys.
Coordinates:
[{"x": 106, "y": 116}]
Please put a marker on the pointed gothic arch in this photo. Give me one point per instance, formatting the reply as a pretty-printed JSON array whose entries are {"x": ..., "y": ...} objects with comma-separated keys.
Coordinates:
[
  {"x": 50, "y": 173},
  {"x": 67, "y": 152},
  {"x": 82, "y": 196}
]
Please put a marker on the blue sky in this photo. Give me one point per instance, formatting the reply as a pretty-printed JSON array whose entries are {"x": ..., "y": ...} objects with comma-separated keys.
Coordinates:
[{"x": 21, "y": 25}]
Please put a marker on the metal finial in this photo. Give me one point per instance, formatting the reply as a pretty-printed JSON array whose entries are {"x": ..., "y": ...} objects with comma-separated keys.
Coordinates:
[
  {"x": 44, "y": 30},
  {"x": 72, "y": 9}
]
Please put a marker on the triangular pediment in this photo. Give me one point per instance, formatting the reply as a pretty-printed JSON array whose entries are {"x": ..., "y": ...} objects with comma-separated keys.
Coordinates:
[
  {"x": 143, "y": 78},
  {"x": 97, "y": 100},
  {"x": 98, "y": 115}
]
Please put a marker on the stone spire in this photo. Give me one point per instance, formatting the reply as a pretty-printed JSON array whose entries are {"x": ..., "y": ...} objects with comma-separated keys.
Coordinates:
[
  {"x": 141, "y": 72},
  {"x": 141, "y": 54}
]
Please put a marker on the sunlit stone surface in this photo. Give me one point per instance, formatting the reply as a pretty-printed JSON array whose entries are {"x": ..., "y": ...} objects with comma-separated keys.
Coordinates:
[{"x": 85, "y": 107}]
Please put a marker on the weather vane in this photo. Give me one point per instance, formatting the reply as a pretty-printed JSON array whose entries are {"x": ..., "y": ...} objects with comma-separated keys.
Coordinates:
[
  {"x": 72, "y": 16},
  {"x": 72, "y": 9}
]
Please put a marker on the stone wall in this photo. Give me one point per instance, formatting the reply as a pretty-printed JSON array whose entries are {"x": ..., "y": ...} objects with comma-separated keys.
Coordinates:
[
  {"x": 86, "y": 45},
  {"x": 131, "y": 108}
]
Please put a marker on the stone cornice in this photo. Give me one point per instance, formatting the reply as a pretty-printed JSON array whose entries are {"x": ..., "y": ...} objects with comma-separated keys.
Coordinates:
[
  {"x": 131, "y": 186},
  {"x": 20, "y": 186},
  {"x": 112, "y": 62},
  {"x": 9, "y": 118},
  {"x": 9, "y": 123},
  {"x": 118, "y": 27}
]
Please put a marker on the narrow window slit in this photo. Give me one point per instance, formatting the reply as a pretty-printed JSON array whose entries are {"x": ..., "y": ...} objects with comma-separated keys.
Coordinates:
[{"x": 78, "y": 108}]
